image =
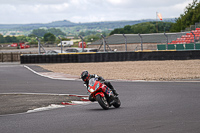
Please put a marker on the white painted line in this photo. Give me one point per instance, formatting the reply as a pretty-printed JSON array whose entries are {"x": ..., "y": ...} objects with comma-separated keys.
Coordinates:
[
  {"x": 52, "y": 106},
  {"x": 80, "y": 102},
  {"x": 40, "y": 74},
  {"x": 49, "y": 94}
]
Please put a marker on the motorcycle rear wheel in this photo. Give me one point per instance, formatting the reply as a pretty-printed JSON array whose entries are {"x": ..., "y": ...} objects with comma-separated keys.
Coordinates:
[{"x": 103, "y": 102}]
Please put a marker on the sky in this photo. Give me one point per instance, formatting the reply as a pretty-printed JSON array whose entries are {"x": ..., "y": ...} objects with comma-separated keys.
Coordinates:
[{"x": 46, "y": 11}]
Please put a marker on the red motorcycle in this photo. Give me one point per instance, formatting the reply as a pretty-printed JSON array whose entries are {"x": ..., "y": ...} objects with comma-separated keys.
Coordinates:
[{"x": 104, "y": 95}]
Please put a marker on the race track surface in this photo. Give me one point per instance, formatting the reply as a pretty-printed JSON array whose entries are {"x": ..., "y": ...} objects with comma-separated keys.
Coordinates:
[{"x": 147, "y": 107}]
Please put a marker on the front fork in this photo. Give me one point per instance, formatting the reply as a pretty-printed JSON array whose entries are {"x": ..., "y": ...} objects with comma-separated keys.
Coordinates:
[{"x": 107, "y": 94}]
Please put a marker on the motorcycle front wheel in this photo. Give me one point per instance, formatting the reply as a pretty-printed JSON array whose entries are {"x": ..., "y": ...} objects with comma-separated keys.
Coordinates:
[
  {"x": 117, "y": 103},
  {"x": 103, "y": 102}
]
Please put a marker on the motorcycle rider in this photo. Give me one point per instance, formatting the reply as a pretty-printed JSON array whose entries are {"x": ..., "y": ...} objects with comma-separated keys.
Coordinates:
[{"x": 85, "y": 76}]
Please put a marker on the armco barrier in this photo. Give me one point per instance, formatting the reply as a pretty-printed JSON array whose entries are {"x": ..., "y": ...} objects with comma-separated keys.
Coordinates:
[
  {"x": 171, "y": 47},
  {"x": 180, "y": 47},
  {"x": 110, "y": 56},
  {"x": 189, "y": 46},
  {"x": 198, "y": 46}
]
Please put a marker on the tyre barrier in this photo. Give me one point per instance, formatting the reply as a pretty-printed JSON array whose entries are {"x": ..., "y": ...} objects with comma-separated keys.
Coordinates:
[{"x": 110, "y": 57}]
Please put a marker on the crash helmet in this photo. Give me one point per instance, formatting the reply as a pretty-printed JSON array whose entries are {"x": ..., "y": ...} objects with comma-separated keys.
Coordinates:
[{"x": 85, "y": 75}]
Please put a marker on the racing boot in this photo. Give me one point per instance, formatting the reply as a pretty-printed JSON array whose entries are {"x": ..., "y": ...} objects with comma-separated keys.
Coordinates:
[{"x": 114, "y": 92}]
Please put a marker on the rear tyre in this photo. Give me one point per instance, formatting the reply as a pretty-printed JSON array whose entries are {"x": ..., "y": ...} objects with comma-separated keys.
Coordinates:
[
  {"x": 103, "y": 102},
  {"x": 117, "y": 103}
]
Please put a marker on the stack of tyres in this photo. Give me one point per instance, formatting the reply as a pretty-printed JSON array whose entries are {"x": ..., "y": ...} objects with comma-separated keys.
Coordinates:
[
  {"x": 70, "y": 58},
  {"x": 110, "y": 57},
  {"x": 66, "y": 58},
  {"x": 23, "y": 59},
  {"x": 105, "y": 57},
  {"x": 92, "y": 57},
  {"x": 32, "y": 59},
  {"x": 53, "y": 59},
  {"x": 28, "y": 59},
  {"x": 47, "y": 58},
  {"x": 50, "y": 57},
  {"x": 129, "y": 56},
  {"x": 83, "y": 58},
  {"x": 114, "y": 56},
  {"x": 73, "y": 58},
  {"x": 62, "y": 59},
  {"x": 98, "y": 57},
  {"x": 39, "y": 57},
  {"x": 42, "y": 57},
  {"x": 36, "y": 57},
  {"x": 58, "y": 59},
  {"x": 123, "y": 56}
]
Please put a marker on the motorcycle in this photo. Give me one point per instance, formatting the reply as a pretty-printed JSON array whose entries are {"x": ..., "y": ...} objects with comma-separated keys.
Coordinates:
[{"x": 103, "y": 94}]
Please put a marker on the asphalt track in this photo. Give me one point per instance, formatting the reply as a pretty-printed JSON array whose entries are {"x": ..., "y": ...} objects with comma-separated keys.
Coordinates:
[{"x": 147, "y": 107}]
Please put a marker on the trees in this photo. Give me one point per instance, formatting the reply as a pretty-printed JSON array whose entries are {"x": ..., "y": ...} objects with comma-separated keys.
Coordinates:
[
  {"x": 127, "y": 29},
  {"x": 22, "y": 38},
  {"x": 10, "y": 39},
  {"x": 56, "y": 32},
  {"x": 91, "y": 38},
  {"x": 117, "y": 31},
  {"x": 42, "y": 32},
  {"x": 142, "y": 28},
  {"x": 190, "y": 16},
  {"x": 13, "y": 39},
  {"x": 2, "y": 39},
  {"x": 39, "y": 32},
  {"x": 49, "y": 37}
]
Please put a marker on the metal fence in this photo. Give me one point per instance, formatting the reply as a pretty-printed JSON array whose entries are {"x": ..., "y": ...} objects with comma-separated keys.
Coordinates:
[{"x": 133, "y": 42}]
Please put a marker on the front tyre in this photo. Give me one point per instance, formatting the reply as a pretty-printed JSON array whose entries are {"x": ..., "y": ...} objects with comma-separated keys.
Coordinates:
[
  {"x": 117, "y": 103},
  {"x": 103, "y": 102}
]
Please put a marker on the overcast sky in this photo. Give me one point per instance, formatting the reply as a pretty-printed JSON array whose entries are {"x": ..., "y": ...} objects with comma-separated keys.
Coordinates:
[{"x": 45, "y": 11}]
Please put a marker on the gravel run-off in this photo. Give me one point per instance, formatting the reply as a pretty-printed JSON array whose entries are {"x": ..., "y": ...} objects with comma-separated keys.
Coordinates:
[{"x": 133, "y": 70}]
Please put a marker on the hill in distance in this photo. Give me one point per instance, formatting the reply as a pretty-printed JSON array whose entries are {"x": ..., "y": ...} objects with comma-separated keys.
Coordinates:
[{"x": 66, "y": 23}]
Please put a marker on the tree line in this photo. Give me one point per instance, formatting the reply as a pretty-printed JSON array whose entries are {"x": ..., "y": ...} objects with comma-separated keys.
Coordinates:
[
  {"x": 190, "y": 16},
  {"x": 142, "y": 28},
  {"x": 46, "y": 36},
  {"x": 42, "y": 32},
  {"x": 8, "y": 39}
]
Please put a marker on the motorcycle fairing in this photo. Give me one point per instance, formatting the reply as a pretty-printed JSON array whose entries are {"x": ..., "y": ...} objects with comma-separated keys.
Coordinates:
[
  {"x": 100, "y": 93},
  {"x": 94, "y": 84}
]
